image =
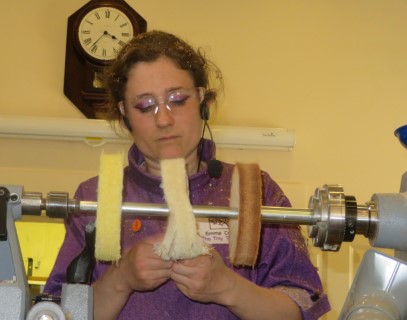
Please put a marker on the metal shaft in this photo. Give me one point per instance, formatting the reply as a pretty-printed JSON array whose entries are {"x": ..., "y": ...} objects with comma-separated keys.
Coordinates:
[
  {"x": 268, "y": 214},
  {"x": 331, "y": 218}
]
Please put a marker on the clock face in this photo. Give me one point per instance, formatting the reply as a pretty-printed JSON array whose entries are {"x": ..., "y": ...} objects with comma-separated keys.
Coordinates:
[{"x": 103, "y": 31}]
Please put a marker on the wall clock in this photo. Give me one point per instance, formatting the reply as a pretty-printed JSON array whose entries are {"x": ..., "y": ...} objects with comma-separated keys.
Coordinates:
[{"x": 96, "y": 32}]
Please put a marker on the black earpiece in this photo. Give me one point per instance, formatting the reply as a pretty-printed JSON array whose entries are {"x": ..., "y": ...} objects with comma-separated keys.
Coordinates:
[
  {"x": 127, "y": 123},
  {"x": 204, "y": 111},
  {"x": 125, "y": 119}
]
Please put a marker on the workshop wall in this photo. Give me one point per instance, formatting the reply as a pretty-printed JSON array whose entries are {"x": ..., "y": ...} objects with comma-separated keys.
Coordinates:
[{"x": 335, "y": 71}]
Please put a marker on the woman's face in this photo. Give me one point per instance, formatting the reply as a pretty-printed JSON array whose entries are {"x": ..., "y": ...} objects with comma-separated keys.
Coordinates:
[{"x": 162, "y": 106}]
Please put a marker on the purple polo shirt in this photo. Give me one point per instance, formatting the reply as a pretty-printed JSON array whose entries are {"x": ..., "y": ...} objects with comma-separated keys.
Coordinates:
[{"x": 283, "y": 261}]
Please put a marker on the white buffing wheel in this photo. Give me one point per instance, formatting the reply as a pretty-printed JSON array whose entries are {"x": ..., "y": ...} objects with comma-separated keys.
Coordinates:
[{"x": 108, "y": 215}]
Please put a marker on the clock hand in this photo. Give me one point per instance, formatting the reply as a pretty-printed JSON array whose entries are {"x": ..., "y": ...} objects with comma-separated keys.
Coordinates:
[
  {"x": 104, "y": 33},
  {"x": 120, "y": 42},
  {"x": 113, "y": 37}
]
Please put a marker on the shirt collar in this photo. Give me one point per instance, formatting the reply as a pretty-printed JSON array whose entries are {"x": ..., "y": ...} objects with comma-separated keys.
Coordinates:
[{"x": 153, "y": 183}]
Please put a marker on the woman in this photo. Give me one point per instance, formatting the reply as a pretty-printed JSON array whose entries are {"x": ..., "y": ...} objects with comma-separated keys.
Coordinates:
[{"x": 160, "y": 92}]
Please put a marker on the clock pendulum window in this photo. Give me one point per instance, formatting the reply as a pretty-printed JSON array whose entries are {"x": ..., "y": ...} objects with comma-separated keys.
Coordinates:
[{"x": 96, "y": 33}]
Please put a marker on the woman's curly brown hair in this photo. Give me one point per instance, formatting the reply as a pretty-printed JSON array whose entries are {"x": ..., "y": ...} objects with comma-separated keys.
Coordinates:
[{"x": 148, "y": 47}]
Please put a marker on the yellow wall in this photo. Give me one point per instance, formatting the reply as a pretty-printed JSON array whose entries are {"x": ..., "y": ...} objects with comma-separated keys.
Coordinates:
[{"x": 335, "y": 71}]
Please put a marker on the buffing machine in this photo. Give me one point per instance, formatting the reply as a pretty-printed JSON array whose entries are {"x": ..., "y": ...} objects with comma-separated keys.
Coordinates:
[
  {"x": 379, "y": 290},
  {"x": 332, "y": 218}
]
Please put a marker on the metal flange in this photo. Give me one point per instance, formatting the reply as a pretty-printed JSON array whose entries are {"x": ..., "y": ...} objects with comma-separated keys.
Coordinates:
[{"x": 328, "y": 205}]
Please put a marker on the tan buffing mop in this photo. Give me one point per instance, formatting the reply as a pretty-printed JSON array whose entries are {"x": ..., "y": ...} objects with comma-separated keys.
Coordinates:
[
  {"x": 108, "y": 214},
  {"x": 244, "y": 232},
  {"x": 181, "y": 240}
]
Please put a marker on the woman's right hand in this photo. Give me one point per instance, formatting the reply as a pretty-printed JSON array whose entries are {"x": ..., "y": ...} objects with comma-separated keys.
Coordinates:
[
  {"x": 143, "y": 269},
  {"x": 139, "y": 269}
]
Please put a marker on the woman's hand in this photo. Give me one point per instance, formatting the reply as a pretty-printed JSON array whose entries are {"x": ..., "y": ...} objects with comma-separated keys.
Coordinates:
[
  {"x": 139, "y": 269},
  {"x": 142, "y": 268},
  {"x": 208, "y": 279},
  {"x": 204, "y": 279}
]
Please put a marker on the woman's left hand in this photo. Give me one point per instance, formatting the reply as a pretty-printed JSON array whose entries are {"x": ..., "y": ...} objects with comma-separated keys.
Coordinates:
[{"x": 204, "y": 279}]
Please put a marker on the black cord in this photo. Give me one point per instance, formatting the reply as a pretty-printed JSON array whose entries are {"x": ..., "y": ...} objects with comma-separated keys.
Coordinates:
[{"x": 201, "y": 144}]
